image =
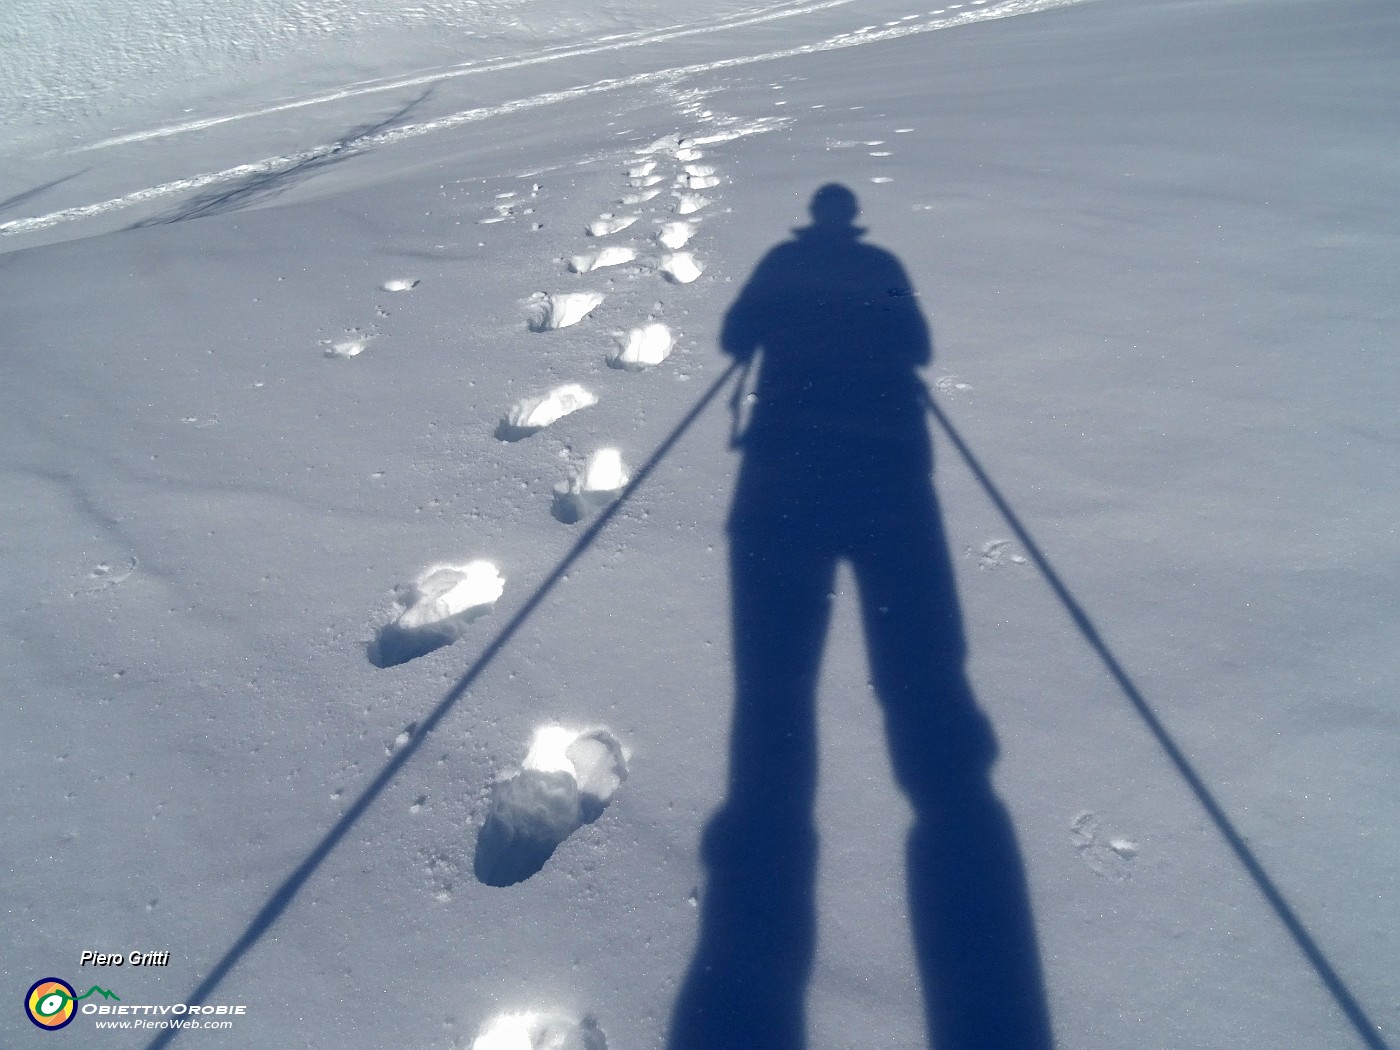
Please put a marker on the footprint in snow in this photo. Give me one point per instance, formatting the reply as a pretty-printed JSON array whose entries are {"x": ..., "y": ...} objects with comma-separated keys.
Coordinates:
[
  {"x": 400, "y": 284},
  {"x": 1110, "y": 856},
  {"x": 641, "y": 347},
  {"x": 679, "y": 267},
  {"x": 608, "y": 223},
  {"x": 105, "y": 575},
  {"x": 689, "y": 203},
  {"x": 536, "y": 1030},
  {"x": 675, "y": 235},
  {"x": 546, "y": 312},
  {"x": 997, "y": 553},
  {"x": 951, "y": 385},
  {"x": 347, "y": 348},
  {"x": 434, "y": 610},
  {"x": 567, "y": 779},
  {"x": 612, "y": 255},
  {"x": 697, "y": 182},
  {"x": 532, "y": 414},
  {"x": 593, "y": 485}
]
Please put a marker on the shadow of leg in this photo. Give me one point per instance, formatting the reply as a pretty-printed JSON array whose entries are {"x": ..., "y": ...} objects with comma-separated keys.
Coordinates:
[
  {"x": 748, "y": 981},
  {"x": 974, "y": 935}
]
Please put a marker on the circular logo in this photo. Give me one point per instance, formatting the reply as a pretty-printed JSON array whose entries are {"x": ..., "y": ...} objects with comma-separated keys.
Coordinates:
[{"x": 49, "y": 1003}]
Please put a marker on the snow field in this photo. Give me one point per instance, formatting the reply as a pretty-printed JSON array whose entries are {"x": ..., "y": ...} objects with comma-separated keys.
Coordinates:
[{"x": 1235, "y": 555}]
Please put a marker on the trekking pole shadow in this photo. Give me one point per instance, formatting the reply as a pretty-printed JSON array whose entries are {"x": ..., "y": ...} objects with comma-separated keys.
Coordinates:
[{"x": 1356, "y": 1016}]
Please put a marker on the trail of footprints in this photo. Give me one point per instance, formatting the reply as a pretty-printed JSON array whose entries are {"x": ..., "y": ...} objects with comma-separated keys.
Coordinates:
[
  {"x": 567, "y": 777},
  {"x": 664, "y": 182}
]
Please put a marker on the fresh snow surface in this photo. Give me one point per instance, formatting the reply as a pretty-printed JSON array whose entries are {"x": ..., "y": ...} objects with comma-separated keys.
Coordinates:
[{"x": 401, "y": 734}]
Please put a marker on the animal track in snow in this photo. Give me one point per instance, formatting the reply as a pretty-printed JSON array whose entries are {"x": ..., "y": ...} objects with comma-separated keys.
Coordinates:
[
  {"x": 532, "y": 414},
  {"x": 612, "y": 255},
  {"x": 675, "y": 235},
  {"x": 679, "y": 267},
  {"x": 649, "y": 344},
  {"x": 997, "y": 553},
  {"x": 1110, "y": 856},
  {"x": 639, "y": 198},
  {"x": 546, "y": 312},
  {"x": 400, "y": 284},
  {"x": 641, "y": 170},
  {"x": 608, "y": 223},
  {"x": 566, "y": 781},
  {"x": 531, "y": 1030},
  {"x": 646, "y": 181},
  {"x": 595, "y": 484},
  {"x": 434, "y": 609}
]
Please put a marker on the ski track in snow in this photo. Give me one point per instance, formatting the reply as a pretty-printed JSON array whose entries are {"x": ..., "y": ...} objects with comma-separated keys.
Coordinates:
[{"x": 948, "y": 18}]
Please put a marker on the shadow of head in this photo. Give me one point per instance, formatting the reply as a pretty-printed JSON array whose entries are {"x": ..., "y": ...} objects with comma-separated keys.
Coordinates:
[{"x": 834, "y": 207}]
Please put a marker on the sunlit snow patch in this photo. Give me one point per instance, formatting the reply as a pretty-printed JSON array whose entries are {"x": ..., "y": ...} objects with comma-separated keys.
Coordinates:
[
  {"x": 567, "y": 779},
  {"x": 434, "y": 610},
  {"x": 400, "y": 284},
  {"x": 640, "y": 347},
  {"x": 533, "y": 414},
  {"x": 596, "y": 484},
  {"x": 546, "y": 312},
  {"x": 612, "y": 255}
]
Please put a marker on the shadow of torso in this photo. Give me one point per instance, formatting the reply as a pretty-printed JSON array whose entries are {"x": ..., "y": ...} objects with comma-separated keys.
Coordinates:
[{"x": 838, "y": 432}]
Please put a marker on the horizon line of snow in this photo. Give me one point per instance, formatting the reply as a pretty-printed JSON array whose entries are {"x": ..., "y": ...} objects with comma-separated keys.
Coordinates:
[
  {"x": 616, "y": 42},
  {"x": 409, "y": 131}
]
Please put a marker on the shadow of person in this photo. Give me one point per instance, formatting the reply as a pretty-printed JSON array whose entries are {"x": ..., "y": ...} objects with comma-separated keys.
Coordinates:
[{"x": 837, "y": 464}]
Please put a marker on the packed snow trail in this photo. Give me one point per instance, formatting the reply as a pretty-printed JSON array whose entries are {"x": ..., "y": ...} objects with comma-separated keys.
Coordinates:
[{"x": 406, "y": 132}]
